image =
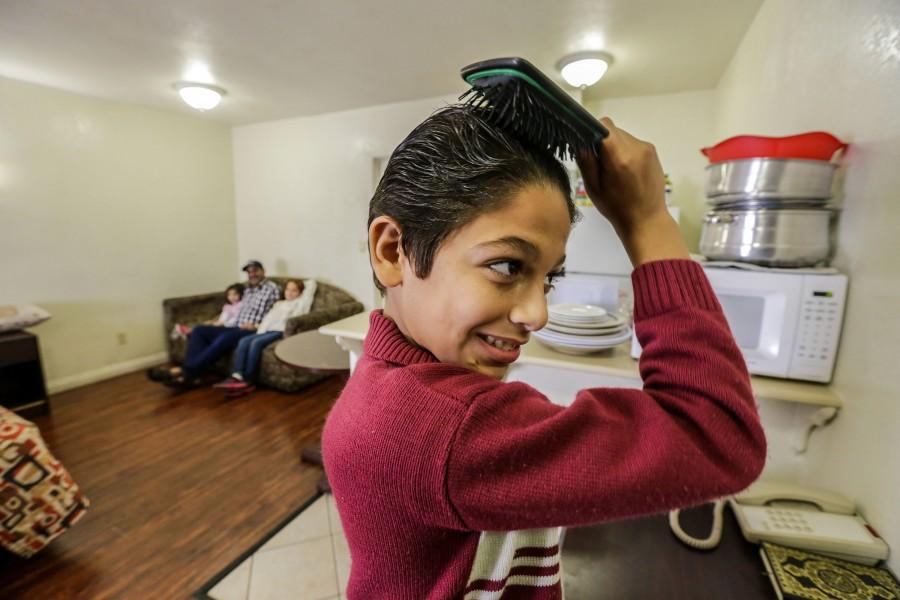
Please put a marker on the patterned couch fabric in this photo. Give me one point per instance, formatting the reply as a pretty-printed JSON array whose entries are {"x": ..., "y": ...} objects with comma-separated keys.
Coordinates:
[
  {"x": 330, "y": 304},
  {"x": 38, "y": 499}
]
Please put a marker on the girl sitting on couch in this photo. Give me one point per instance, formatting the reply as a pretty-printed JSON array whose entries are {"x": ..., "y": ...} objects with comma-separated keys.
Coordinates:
[
  {"x": 227, "y": 318},
  {"x": 298, "y": 299}
]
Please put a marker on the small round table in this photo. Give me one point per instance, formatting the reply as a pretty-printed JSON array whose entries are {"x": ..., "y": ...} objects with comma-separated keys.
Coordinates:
[
  {"x": 320, "y": 353},
  {"x": 314, "y": 351}
]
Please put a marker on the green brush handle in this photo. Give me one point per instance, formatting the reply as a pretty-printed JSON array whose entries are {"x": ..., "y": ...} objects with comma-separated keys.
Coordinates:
[{"x": 523, "y": 70}]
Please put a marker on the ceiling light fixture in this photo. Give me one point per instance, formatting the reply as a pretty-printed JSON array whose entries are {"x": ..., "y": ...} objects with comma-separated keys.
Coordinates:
[
  {"x": 201, "y": 96},
  {"x": 584, "y": 68}
]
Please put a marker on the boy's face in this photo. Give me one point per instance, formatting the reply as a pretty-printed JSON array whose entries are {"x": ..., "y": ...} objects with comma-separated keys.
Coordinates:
[{"x": 487, "y": 288}]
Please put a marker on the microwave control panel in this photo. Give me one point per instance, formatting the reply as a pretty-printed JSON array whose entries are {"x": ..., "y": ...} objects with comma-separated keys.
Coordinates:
[{"x": 819, "y": 328}]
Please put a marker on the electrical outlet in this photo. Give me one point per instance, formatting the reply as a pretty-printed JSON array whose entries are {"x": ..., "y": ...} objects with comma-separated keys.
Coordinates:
[{"x": 122, "y": 338}]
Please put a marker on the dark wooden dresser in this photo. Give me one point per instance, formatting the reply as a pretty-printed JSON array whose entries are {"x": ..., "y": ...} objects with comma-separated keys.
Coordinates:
[{"x": 22, "y": 386}]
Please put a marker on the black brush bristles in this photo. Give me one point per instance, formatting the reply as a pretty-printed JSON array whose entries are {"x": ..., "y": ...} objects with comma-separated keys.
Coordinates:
[{"x": 515, "y": 96}]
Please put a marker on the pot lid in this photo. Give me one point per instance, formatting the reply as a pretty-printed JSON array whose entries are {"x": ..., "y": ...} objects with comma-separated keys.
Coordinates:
[{"x": 814, "y": 145}]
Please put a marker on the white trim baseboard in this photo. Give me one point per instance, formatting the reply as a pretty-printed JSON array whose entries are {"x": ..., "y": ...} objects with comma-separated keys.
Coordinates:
[{"x": 55, "y": 386}]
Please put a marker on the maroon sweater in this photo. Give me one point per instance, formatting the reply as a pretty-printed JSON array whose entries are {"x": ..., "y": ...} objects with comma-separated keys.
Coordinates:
[{"x": 451, "y": 484}]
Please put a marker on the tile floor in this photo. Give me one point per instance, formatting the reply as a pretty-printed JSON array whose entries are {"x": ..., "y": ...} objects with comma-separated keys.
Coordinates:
[{"x": 307, "y": 560}]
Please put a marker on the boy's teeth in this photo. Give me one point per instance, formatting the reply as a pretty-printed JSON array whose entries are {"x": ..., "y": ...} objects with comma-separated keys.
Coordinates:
[{"x": 500, "y": 343}]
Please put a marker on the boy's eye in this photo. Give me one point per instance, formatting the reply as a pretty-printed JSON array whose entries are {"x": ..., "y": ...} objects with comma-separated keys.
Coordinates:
[
  {"x": 551, "y": 278},
  {"x": 506, "y": 268}
]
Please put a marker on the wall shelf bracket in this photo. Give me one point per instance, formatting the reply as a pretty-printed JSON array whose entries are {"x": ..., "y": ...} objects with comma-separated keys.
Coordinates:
[{"x": 818, "y": 418}]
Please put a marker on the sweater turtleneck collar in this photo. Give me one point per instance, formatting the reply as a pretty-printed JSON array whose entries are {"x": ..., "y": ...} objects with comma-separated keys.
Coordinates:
[{"x": 386, "y": 342}]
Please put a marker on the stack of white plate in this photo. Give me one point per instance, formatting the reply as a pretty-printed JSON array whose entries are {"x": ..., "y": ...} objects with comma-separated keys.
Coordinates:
[{"x": 582, "y": 329}]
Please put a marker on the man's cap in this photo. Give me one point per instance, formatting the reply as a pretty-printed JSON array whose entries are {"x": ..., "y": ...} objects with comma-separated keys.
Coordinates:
[{"x": 253, "y": 263}]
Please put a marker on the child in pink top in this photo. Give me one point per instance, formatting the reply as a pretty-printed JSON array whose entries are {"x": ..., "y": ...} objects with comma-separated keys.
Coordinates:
[
  {"x": 228, "y": 316},
  {"x": 451, "y": 483}
]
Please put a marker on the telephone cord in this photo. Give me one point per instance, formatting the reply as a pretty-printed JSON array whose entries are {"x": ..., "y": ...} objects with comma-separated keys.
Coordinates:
[{"x": 714, "y": 536}]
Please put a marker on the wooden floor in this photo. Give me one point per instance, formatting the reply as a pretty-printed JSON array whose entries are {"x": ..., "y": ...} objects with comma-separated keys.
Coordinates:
[{"x": 180, "y": 485}]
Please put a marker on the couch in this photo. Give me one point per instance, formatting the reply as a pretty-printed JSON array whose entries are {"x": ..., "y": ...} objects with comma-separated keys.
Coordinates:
[{"x": 330, "y": 304}]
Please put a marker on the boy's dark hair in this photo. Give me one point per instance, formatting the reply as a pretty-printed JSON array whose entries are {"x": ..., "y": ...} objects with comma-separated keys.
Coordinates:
[
  {"x": 453, "y": 167},
  {"x": 239, "y": 288}
]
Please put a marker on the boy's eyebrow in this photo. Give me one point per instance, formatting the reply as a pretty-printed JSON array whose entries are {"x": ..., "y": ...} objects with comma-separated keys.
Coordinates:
[
  {"x": 515, "y": 243},
  {"x": 520, "y": 244}
]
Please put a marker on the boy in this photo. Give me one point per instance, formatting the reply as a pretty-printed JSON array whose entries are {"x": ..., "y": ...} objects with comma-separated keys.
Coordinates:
[{"x": 453, "y": 484}]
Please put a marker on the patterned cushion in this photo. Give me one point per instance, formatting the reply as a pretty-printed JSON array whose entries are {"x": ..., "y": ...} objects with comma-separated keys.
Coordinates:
[{"x": 38, "y": 499}]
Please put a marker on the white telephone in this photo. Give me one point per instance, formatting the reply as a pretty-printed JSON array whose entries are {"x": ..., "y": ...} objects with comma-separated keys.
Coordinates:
[{"x": 797, "y": 516}]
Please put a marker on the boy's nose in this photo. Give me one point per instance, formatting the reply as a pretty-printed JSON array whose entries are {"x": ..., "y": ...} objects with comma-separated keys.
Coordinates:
[{"x": 530, "y": 309}]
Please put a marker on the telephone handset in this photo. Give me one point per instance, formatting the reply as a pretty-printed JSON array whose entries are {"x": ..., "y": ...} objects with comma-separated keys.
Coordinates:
[
  {"x": 798, "y": 516},
  {"x": 763, "y": 493}
]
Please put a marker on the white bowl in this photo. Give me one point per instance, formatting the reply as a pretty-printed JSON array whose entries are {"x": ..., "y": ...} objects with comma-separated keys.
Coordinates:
[
  {"x": 577, "y": 312},
  {"x": 583, "y": 341},
  {"x": 573, "y": 350}
]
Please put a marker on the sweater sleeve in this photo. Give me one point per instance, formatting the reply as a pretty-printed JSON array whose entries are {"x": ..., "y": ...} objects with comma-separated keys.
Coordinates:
[{"x": 691, "y": 434}]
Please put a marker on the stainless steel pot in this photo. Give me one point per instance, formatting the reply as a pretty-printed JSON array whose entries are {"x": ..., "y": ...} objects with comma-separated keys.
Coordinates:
[
  {"x": 727, "y": 203},
  {"x": 769, "y": 178},
  {"x": 774, "y": 238}
]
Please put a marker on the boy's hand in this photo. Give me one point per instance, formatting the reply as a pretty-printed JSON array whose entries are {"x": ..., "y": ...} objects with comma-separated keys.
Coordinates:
[{"x": 626, "y": 184}]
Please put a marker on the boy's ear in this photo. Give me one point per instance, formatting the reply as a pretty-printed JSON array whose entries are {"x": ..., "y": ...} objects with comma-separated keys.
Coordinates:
[{"x": 385, "y": 251}]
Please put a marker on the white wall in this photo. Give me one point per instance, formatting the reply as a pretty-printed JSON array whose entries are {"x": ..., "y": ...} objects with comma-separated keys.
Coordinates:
[
  {"x": 678, "y": 125},
  {"x": 106, "y": 209},
  {"x": 302, "y": 189},
  {"x": 835, "y": 65}
]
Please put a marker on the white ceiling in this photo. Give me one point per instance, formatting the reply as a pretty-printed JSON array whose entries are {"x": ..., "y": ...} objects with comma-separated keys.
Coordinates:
[{"x": 286, "y": 58}]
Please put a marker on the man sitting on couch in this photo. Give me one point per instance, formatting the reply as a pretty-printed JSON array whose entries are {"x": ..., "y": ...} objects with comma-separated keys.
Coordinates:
[{"x": 207, "y": 343}]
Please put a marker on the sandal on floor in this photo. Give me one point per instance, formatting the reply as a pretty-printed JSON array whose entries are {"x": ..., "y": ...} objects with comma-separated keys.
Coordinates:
[
  {"x": 181, "y": 383},
  {"x": 159, "y": 374}
]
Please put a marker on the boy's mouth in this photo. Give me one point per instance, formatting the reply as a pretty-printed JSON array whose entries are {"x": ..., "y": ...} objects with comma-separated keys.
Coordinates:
[
  {"x": 502, "y": 350},
  {"x": 502, "y": 343}
]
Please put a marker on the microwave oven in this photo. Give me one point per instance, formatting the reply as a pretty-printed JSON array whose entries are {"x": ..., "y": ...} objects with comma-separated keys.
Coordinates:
[{"x": 786, "y": 324}]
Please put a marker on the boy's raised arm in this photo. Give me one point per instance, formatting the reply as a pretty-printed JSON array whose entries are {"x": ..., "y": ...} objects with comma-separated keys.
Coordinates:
[{"x": 691, "y": 434}]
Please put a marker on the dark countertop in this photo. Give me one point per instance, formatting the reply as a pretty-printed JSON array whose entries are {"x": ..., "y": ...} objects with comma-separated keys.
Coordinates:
[{"x": 641, "y": 558}]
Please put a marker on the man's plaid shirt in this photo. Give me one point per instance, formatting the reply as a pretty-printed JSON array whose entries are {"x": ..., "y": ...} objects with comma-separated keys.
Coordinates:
[{"x": 257, "y": 301}]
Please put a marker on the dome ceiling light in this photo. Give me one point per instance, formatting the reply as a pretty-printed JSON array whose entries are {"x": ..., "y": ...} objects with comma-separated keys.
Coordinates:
[
  {"x": 584, "y": 69},
  {"x": 201, "y": 96}
]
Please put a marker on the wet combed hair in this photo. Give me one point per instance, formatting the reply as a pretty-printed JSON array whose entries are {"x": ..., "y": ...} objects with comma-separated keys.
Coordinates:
[
  {"x": 453, "y": 167},
  {"x": 239, "y": 288}
]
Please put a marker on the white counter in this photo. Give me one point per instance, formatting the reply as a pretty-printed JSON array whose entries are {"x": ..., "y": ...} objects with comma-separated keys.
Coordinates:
[{"x": 616, "y": 363}]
